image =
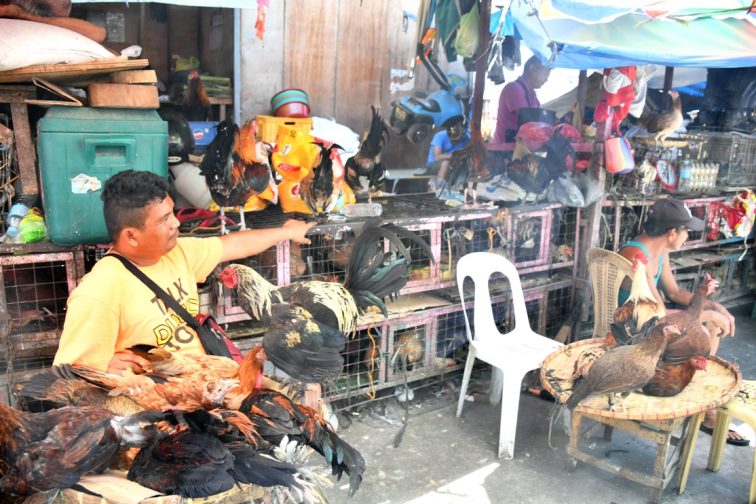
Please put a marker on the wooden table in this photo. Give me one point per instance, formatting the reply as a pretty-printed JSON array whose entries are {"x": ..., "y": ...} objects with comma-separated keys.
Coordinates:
[{"x": 665, "y": 421}]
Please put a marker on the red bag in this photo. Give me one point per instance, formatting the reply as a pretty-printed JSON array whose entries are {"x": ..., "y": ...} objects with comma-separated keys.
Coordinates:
[
  {"x": 211, "y": 334},
  {"x": 618, "y": 155}
]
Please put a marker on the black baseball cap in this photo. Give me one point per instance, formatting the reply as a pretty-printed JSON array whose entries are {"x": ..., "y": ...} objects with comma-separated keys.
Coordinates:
[{"x": 671, "y": 213}]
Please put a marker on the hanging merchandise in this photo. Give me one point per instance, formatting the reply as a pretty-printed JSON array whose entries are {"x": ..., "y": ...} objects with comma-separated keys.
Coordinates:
[
  {"x": 447, "y": 19},
  {"x": 468, "y": 33},
  {"x": 617, "y": 94},
  {"x": 618, "y": 155},
  {"x": 262, "y": 5}
]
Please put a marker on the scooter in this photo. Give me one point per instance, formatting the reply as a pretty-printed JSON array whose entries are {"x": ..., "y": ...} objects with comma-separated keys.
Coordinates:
[{"x": 416, "y": 117}]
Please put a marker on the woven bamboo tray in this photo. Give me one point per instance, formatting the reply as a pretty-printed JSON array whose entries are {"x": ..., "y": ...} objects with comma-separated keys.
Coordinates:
[{"x": 709, "y": 389}]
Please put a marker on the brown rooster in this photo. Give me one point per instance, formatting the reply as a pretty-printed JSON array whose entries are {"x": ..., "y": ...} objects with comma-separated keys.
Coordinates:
[
  {"x": 694, "y": 339},
  {"x": 623, "y": 369},
  {"x": 367, "y": 161},
  {"x": 301, "y": 339},
  {"x": 640, "y": 307},
  {"x": 662, "y": 124},
  {"x": 686, "y": 353},
  {"x": 235, "y": 166},
  {"x": 44, "y": 451},
  {"x": 671, "y": 379}
]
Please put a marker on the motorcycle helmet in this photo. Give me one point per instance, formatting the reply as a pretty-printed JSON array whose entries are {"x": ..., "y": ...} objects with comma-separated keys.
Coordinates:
[{"x": 180, "y": 138}]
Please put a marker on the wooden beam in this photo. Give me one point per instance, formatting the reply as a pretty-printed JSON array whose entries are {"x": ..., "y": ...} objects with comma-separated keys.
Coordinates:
[
  {"x": 24, "y": 149},
  {"x": 481, "y": 63}
]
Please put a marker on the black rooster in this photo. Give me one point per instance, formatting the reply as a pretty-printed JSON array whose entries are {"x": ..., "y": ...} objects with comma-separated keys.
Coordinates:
[
  {"x": 305, "y": 348},
  {"x": 317, "y": 189},
  {"x": 235, "y": 166},
  {"x": 534, "y": 173},
  {"x": 367, "y": 161},
  {"x": 208, "y": 456},
  {"x": 275, "y": 416}
]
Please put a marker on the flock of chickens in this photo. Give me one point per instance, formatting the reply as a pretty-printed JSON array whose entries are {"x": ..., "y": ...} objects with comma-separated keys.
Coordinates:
[
  {"x": 647, "y": 349},
  {"x": 199, "y": 425}
]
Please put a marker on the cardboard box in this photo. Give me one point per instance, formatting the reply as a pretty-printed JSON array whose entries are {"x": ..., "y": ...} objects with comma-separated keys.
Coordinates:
[{"x": 122, "y": 96}]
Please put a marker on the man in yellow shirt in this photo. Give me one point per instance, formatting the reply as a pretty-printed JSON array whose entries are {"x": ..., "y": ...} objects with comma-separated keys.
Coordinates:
[{"x": 112, "y": 309}]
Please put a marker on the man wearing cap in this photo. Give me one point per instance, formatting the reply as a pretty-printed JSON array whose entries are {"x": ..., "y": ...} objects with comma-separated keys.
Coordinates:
[{"x": 665, "y": 230}]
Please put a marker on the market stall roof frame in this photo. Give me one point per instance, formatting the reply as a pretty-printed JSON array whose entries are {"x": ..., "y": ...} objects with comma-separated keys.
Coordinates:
[{"x": 590, "y": 34}]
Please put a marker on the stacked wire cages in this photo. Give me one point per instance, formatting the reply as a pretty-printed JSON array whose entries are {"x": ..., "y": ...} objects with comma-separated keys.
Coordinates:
[
  {"x": 34, "y": 295},
  {"x": 736, "y": 156}
]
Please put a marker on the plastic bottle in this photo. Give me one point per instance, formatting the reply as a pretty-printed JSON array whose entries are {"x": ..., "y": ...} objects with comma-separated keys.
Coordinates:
[
  {"x": 683, "y": 183},
  {"x": 13, "y": 219}
]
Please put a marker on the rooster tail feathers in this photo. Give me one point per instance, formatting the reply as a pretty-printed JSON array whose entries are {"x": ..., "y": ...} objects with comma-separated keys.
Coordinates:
[
  {"x": 376, "y": 138},
  {"x": 343, "y": 458},
  {"x": 371, "y": 270},
  {"x": 580, "y": 392},
  {"x": 253, "y": 468}
]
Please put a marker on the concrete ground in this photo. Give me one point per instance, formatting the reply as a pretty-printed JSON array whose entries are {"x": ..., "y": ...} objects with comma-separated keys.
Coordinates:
[{"x": 442, "y": 459}]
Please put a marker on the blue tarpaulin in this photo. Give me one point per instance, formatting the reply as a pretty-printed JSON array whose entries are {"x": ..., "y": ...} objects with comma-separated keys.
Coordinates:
[{"x": 591, "y": 34}]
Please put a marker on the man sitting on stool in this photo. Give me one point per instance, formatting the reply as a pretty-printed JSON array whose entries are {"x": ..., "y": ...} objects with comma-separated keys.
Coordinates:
[{"x": 448, "y": 140}]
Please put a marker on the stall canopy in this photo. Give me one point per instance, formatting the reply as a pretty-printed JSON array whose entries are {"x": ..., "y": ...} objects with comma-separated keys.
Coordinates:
[
  {"x": 230, "y": 4},
  {"x": 588, "y": 34}
]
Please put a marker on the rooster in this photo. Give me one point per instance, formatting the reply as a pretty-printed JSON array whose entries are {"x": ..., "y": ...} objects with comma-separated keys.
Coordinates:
[
  {"x": 624, "y": 369},
  {"x": 670, "y": 379},
  {"x": 534, "y": 173},
  {"x": 662, "y": 124},
  {"x": 207, "y": 455},
  {"x": 188, "y": 94},
  {"x": 467, "y": 163},
  {"x": 302, "y": 346},
  {"x": 236, "y": 166},
  {"x": 317, "y": 188},
  {"x": 276, "y": 416},
  {"x": 694, "y": 340},
  {"x": 44, "y": 451},
  {"x": 686, "y": 353},
  {"x": 367, "y": 161},
  {"x": 641, "y": 306}
]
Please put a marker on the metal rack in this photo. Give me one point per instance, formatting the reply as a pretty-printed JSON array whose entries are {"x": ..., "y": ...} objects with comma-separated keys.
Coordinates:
[{"x": 424, "y": 332}]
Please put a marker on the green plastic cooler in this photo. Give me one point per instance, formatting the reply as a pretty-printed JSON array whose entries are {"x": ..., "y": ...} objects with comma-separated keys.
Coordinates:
[{"x": 79, "y": 149}]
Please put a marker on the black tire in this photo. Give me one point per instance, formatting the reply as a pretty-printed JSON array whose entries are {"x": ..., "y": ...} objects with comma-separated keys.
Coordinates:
[{"x": 418, "y": 132}]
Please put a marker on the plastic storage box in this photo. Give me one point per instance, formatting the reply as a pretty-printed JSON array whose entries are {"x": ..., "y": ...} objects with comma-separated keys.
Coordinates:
[
  {"x": 204, "y": 132},
  {"x": 79, "y": 149}
]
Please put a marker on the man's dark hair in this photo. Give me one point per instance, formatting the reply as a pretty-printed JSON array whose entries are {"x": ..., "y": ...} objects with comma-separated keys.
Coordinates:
[
  {"x": 655, "y": 229},
  {"x": 533, "y": 63},
  {"x": 126, "y": 196}
]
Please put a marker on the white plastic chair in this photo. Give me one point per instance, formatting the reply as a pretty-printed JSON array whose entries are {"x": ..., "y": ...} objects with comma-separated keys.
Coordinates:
[{"x": 513, "y": 354}]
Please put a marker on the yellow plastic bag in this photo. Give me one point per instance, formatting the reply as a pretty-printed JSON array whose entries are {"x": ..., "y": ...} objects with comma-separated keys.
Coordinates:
[{"x": 468, "y": 33}]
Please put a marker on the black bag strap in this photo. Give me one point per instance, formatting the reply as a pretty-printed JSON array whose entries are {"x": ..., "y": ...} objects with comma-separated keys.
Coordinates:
[{"x": 159, "y": 292}]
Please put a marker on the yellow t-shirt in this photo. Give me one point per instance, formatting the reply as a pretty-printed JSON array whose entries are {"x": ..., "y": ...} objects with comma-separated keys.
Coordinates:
[{"x": 111, "y": 309}]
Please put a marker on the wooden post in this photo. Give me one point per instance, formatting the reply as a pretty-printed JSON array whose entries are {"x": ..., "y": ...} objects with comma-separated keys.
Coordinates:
[
  {"x": 17, "y": 96},
  {"x": 669, "y": 73},
  {"x": 480, "y": 71}
]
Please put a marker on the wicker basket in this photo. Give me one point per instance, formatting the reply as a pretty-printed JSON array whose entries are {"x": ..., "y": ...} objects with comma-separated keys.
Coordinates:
[{"x": 709, "y": 389}]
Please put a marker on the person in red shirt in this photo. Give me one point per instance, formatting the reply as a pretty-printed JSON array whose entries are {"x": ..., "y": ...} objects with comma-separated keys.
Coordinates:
[{"x": 519, "y": 94}]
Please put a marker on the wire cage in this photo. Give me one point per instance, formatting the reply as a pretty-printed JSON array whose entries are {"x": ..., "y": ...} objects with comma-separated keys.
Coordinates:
[
  {"x": 34, "y": 295},
  {"x": 736, "y": 155},
  {"x": 7, "y": 175}
]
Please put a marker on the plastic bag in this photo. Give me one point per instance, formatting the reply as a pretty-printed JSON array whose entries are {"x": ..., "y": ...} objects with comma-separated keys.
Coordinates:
[
  {"x": 468, "y": 33},
  {"x": 619, "y": 156},
  {"x": 563, "y": 190}
]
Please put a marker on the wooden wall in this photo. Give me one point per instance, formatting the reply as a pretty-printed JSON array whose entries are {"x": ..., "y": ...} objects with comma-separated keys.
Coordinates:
[
  {"x": 164, "y": 30},
  {"x": 340, "y": 51}
]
